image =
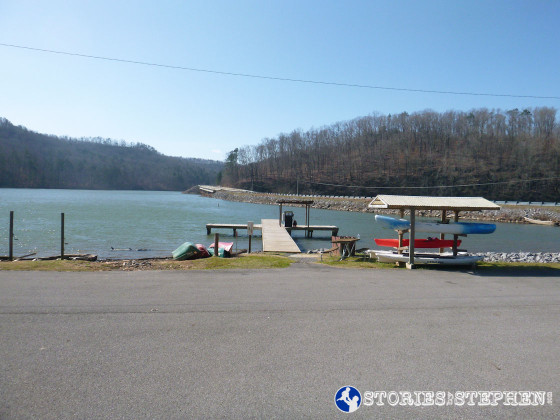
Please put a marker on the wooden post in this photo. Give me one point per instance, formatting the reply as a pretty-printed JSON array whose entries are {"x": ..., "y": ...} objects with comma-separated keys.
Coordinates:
[
  {"x": 399, "y": 249},
  {"x": 61, "y": 236},
  {"x": 401, "y": 233},
  {"x": 412, "y": 235},
  {"x": 443, "y": 220},
  {"x": 455, "y": 237},
  {"x": 11, "y": 237},
  {"x": 250, "y": 226},
  {"x": 216, "y": 240},
  {"x": 307, "y": 213},
  {"x": 280, "y": 216}
]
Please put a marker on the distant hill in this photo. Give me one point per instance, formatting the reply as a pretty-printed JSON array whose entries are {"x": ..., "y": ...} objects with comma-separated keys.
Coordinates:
[
  {"x": 33, "y": 160},
  {"x": 501, "y": 155}
]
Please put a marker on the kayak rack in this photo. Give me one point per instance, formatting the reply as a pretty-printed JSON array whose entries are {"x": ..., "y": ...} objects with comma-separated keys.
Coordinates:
[{"x": 413, "y": 203}]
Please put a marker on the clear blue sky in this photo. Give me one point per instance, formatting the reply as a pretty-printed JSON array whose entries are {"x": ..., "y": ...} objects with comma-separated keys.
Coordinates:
[{"x": 498, "y": 47}]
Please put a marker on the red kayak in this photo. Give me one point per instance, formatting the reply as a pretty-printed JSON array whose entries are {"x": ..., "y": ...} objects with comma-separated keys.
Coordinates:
[{"x": 418, "y": 243}]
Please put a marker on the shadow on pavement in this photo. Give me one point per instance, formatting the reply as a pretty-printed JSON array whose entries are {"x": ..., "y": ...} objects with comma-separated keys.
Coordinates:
[{"x": 502, "y": 270}]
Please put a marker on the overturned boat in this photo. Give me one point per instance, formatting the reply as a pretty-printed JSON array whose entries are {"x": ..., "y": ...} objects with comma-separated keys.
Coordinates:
[{"x": 190, "y": 251}]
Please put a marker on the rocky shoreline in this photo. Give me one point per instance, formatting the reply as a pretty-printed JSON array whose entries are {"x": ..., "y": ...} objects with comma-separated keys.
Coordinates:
[
  {"x": 508, "y": 214},
  {"x": 521, "y": 257},
  {"x": 510, "y": 257}
]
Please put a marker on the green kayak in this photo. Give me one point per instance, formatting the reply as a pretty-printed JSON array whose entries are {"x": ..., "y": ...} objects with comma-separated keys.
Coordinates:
[{"x": 186, "y": 251}]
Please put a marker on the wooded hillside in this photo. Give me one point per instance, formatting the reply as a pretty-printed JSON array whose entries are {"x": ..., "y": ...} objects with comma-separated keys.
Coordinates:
[
  {"x": 395, "y": 153},
  {"x": 33, "y": 160}
]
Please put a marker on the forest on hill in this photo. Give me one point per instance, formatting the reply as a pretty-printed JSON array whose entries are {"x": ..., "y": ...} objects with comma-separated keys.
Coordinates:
[
  {"x": 32, "y": 160},
  {"x": 490, "y": 153}
]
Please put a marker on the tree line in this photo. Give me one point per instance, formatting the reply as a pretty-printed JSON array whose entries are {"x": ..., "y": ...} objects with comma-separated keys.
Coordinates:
[
  {"x": 33, "y": 160},
  {"x": 490, "y": 153}
]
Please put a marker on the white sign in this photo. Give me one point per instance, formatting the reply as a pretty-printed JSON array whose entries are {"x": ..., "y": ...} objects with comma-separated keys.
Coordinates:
[{"x": 250, "y": 228}]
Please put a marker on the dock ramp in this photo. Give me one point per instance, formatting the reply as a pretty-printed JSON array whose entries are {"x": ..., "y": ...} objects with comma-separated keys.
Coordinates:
[{"x": 275, "y": 238}]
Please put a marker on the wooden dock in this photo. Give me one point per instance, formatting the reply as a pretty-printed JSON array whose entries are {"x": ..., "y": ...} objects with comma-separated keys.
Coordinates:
[
  {"x": 243, "y": 226},
  {"x": 309, "y": 229},
  {"x": 234, "y": 226},
  {"x": 275, "y": 238}
]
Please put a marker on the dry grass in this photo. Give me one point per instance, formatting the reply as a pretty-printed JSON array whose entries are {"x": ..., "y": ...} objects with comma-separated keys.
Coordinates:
[
  {"x": 356, "y": 262},
  {"x": 258, "y": 261}
]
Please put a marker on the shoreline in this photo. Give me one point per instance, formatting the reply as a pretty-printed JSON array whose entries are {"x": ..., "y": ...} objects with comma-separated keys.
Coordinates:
[
  {"x": 260, "y": 261},
  {"x": 507, "y": 213}
]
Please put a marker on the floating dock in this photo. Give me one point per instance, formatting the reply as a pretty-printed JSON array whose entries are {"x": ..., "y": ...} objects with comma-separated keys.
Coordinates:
[
  {"x": 309, "y": 229},
  {"x": 234, "y": 226},
  {"x": 275, "y": 237},
  {"x": 243, "y": 226}
]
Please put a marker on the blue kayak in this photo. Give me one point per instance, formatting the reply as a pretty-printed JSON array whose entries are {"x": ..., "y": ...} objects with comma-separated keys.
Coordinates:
[{"x": 459, "y": 228}]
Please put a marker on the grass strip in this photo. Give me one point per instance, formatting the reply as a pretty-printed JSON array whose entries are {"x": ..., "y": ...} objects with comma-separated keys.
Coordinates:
[
  {"x": 242, "y": 262},
  {"x": 356, "y": 262},
  {"x": 516, "y": 268}
]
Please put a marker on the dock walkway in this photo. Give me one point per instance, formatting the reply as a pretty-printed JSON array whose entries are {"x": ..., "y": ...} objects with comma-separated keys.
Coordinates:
[{"x": 275, "y": 238}]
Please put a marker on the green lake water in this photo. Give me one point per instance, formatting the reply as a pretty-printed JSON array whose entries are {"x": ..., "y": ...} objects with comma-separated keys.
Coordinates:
[{"x": 153, "y": 223}]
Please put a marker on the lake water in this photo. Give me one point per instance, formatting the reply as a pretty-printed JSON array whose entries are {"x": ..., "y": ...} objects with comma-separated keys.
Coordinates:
[{"x": 157, "y": 222}]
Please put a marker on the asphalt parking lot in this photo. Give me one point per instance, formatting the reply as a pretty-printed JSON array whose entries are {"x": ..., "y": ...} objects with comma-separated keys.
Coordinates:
[{"x": 274, "y": 343}]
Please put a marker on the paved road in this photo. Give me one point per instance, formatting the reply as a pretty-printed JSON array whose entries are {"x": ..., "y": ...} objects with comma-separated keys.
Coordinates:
[{"x": 272, "y": 343}]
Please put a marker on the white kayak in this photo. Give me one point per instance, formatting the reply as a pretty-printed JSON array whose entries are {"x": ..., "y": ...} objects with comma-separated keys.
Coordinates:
[
  {"x": 459, "y": 228},
  {"x": 441, "y": 259}
]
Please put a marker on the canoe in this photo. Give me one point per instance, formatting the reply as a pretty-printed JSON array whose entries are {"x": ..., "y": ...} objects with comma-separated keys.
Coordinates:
[
  {"x": 459, "y": 228},
  {"x": 540, "y": 222},
  {"x": 186, "y": 251},
  {"x": 203, "y": 251},
  {"x": 418, "y": 243},
  {"x": 441, "y": 259}
]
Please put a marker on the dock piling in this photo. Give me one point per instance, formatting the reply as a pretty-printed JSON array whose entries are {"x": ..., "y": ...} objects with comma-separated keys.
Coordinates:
[
  {"x": 11, "y": 237},
  {"x": 61, "y": 236}
]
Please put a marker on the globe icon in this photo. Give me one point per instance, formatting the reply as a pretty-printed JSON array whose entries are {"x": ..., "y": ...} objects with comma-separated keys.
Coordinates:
[{"x": 348, "y": 399}]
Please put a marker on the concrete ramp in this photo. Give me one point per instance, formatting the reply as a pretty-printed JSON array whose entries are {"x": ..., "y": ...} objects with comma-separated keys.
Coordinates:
[{"x": 276, "y": 239}]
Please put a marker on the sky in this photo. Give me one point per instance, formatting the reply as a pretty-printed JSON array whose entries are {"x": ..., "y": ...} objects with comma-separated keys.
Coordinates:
[{"x": 185, "y": 104}]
